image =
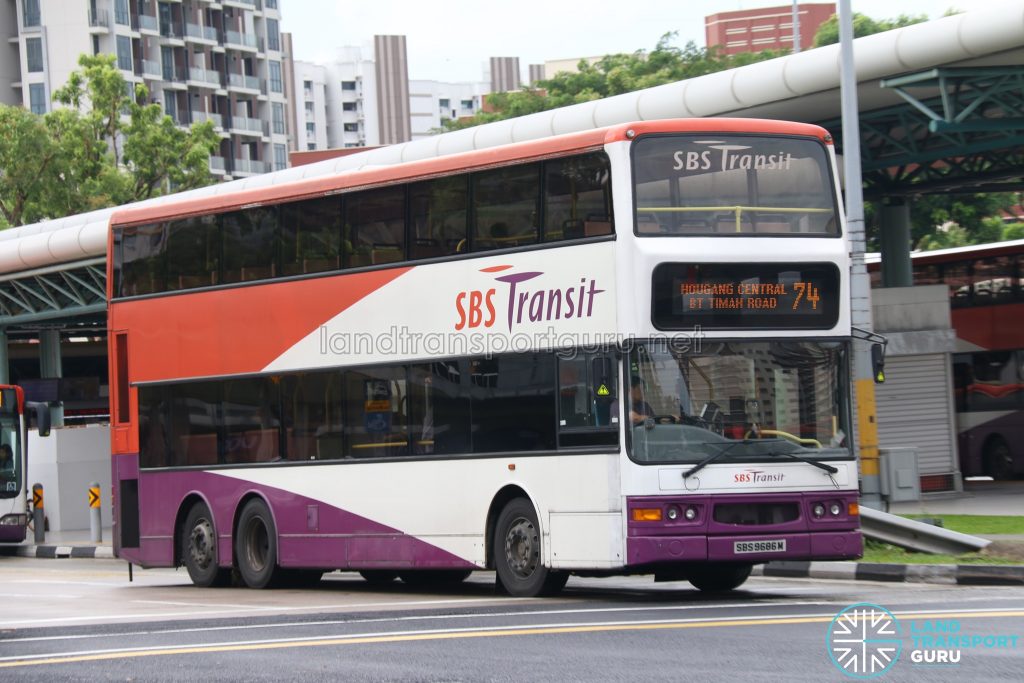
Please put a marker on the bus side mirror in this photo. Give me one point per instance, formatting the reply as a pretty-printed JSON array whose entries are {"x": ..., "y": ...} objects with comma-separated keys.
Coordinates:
[
  {"x": 878, "y": 363},
  {"x": 42, "y": 417}
]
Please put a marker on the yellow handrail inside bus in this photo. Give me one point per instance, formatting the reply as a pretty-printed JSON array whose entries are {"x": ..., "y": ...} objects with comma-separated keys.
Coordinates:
[
  {"x": 786, "y": 435},
  {"x": 738, "y": 210}
]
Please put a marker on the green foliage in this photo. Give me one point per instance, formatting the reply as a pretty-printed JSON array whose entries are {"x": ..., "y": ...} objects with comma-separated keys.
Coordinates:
[
  {"x": 1013, "y": 231},
  {"x": 828, "y": 32},
  {"x": 939, "y": 221},
  {"x": 104, "y": 147},
  {"x": 611, "y": 75}
]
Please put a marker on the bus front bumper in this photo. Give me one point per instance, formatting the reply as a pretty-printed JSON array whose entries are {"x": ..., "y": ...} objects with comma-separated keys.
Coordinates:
[{"x": 755, "y": 549}]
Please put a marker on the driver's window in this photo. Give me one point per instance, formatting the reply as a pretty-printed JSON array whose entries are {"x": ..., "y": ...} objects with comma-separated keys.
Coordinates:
[{"x": 587, "y": 400}]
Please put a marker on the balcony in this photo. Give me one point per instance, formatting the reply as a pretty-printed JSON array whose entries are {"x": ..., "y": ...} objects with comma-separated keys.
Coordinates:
[
  {"x": 204, "y": 76},
  {"x": 243, "y": 81},
  {"x": 153, "y": 69},
  {"x": 243, "y": 40},
  {"x": 217, "y": 165},
  {"x": 197, "y": 32},
  {"x": 244, "y": 124},
  {"x": 245, "y": 4},
  {"x": 201, "y": 116},
  {"x": 99, "y": 21},
  {"x": 149, "y": 24},
  {"x": 249, "y": 167}
]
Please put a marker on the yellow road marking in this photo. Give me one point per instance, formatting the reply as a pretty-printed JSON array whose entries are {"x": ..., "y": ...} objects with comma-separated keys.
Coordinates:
[{"x": 415, "y": 637}]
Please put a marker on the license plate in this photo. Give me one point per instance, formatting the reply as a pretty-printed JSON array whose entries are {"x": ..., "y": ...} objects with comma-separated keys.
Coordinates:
[{"x": 767, "y": 546}]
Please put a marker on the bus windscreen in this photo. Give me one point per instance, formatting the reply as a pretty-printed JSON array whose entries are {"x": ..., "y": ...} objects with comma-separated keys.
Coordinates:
[{"x": 732, "y": 185}]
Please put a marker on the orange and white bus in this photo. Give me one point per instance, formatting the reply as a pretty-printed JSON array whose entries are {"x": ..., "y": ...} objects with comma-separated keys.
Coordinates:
[{"x": 621, "y": 351}]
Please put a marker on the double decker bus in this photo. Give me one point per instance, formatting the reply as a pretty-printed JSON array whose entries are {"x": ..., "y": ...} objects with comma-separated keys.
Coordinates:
[
  {"x": 986, "y": 299},
  {"x": 14, "y": 424},
  {"x": 620, "y": 351}
]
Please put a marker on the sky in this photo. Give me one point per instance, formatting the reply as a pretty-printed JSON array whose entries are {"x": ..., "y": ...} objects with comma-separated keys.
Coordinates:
[{"x": 452, "y": 40}]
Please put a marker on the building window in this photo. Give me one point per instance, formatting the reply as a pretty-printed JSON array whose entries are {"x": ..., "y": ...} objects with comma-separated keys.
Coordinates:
[
  {"x": 351, "y": 127},
  {"x": 310, "y": 128},
  {"x": 444, "y": 103},
  {"x": 275, "y": 77},
  {"x": 280, "y": 158},
  {"x": 348, "y": 106},
  {"x": 277, "y": 111},
  {"x": 273, "y": 35},
  {"x": 270, "y": 4},
  {"x": 34, "y": 53},
  {"x": 37, "y": 98},
  {"x": 124, "y": 53},
  {"x": 121, "y": 15},
  {"x": 30, "y": 12},
  {"x": 467, "y": 104},
  {"x": 171, "y": 104},
  {"x": 348, "y": 85},
  {"x": 310, "y": 146}
]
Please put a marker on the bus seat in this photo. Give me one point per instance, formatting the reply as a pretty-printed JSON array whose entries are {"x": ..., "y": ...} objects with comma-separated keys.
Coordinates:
[{"x": 596, "y": 228}]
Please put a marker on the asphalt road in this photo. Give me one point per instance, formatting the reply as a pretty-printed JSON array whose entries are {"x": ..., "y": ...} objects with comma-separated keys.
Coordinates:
[{"x": 82, "y": 620}]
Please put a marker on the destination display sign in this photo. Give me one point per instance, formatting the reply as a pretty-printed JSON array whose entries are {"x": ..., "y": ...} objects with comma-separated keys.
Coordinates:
[{"x": 745, "y": 296}]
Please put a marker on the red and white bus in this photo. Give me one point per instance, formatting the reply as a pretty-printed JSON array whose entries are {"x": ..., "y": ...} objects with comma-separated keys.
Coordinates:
[
  {"x": 986, "y": 298},
  {"x": 622, "y": 351}
]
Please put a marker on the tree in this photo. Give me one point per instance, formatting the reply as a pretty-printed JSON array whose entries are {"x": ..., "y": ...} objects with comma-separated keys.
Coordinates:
[
  {"x": 106, "y": 146},
  {"x": 611, "y": 75},
  {"x": 828, "y": 32}
]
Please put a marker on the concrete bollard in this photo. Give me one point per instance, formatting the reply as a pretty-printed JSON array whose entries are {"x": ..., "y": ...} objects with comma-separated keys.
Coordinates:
[
  {"x": 95, "y": 525},
  {"x": 38, "y": 514}
]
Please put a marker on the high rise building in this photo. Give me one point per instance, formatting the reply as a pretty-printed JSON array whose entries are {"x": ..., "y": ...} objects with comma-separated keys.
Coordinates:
[
  {"x": 217, "y": 60},
  {"x": 767, "y": 28},
  {"x": 505, "y": 74}
]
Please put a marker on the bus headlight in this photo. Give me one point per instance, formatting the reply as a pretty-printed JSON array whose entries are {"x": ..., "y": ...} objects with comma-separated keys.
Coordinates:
[
  {"x": 690, "y": 514},
  {"x": 818, "y": 510},
  {"x": 673, "y": 512},
  {"x": 835, "y": 509}
]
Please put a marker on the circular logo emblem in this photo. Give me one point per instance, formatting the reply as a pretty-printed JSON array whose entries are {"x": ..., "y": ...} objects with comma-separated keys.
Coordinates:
[{"x": 864, "y": 640}]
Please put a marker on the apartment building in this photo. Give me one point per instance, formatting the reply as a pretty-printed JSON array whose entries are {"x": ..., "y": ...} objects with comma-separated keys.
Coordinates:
[
  {"x": 431, "y": 102},
  {"x": 217, "y": 60},
  {"x": 766, "y": 28}
]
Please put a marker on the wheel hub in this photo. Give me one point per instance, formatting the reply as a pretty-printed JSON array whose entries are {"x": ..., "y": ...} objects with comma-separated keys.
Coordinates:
[
  {"x": 521, "y": 547},
  {"x": 201, "y": 544}
]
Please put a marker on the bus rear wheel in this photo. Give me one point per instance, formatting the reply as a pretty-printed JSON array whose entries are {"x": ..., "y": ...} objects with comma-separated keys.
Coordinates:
[
  {"x": 517, "y": 553},
  {"x": 256, "y": 545},
  {"x": 198, "y": 549},
  {"x": 998, "y": 459},
  {"x": 718, "y": 577}
]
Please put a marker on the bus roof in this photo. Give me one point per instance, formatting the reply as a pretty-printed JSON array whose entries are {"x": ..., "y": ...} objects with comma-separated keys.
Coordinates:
[
  {"x": 957, "y": 253},
  {"x": 380, "y": 175}
]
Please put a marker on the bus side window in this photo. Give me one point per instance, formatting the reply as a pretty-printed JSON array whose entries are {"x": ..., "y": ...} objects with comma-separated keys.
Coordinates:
[{"x": 587, "y": 390}]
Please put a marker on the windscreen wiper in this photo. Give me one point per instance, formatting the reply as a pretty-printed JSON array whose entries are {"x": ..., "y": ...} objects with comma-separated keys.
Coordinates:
[
  {"x": 714, "y": 456},
  {"x": 820, "y": 465}
]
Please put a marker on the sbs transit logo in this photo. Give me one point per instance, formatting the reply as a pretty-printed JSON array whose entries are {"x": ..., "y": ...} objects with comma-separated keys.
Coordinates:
[
  {"x": 478, "y": 308},
  {"x": 864, "y": 640}
]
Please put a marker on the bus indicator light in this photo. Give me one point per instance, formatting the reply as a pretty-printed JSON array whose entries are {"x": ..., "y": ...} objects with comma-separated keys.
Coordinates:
[{"x": 646, "y": 514}]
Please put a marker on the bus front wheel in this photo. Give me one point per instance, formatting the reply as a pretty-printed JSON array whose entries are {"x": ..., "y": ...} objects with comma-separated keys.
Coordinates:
[
  {"x": 256, "y": 545},
  {"x": 719, "y": 577},
  {"x": 517, "y": 553},
  {"x": 198, "y": 544}
]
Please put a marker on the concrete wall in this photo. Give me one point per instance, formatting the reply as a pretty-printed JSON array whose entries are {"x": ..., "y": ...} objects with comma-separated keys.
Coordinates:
[
  {"x": 64, "y": 463},
  {"x": 916, "y": 320}
]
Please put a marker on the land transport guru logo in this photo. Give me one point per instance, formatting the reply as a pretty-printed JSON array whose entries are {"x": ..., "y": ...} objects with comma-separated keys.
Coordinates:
[
  {"x": 480, "y": 308},
  {"x": 864, "y": 640}
]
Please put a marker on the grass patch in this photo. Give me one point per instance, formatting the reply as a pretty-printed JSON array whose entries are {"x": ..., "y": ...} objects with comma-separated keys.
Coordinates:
[
  {"x": 877, "y": 551},
  {"x": 979, "y": 524}
]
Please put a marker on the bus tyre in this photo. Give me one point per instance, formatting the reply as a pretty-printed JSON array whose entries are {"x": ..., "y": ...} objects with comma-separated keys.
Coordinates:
[
  {"x": 719, "y": 577},
  {"x": 256, "y": 545},
  {"x": 198, "y": 549},
  {"x": 517, "y": 553},
  {"x": 998, "y": 460}
]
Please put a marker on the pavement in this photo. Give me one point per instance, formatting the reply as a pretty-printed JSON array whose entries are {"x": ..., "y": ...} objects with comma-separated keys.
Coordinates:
[{"x": 977, "y": 498}]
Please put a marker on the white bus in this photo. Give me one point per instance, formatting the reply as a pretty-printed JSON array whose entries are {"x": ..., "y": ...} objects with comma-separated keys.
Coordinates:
[{"x": 623, "y": 351}]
